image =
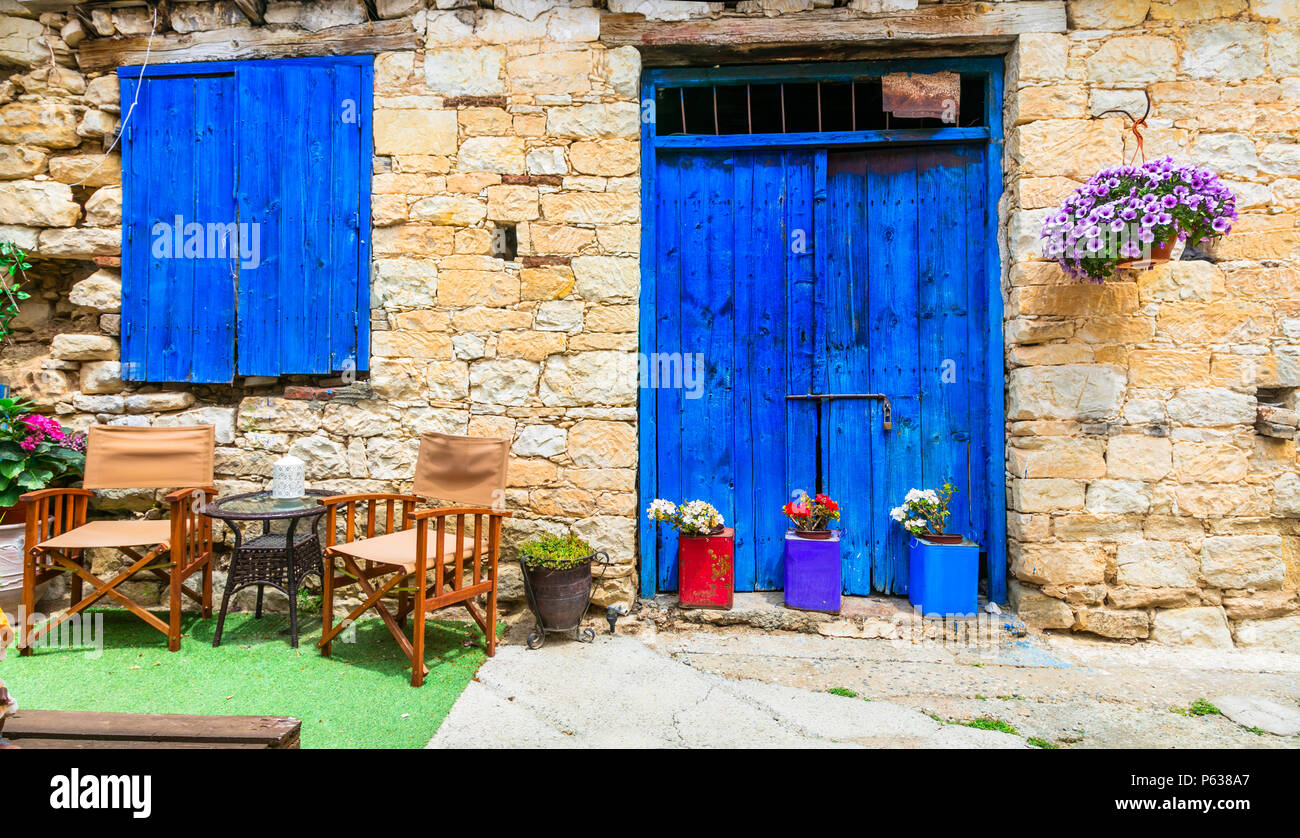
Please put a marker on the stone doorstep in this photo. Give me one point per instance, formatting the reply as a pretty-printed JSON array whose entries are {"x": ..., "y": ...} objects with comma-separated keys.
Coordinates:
[{"x": 860, "y": 617}]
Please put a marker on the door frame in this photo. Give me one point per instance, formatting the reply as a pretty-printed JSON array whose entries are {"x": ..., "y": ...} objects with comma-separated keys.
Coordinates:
[{"x": 991, "y": 68}]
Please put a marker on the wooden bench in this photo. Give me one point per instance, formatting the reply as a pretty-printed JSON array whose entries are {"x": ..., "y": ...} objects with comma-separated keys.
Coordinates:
[{"x": 81, "y": 730}]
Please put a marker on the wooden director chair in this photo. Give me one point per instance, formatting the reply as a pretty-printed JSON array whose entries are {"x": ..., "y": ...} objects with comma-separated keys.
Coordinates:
[
  {"x": 459, "y": 469},
  {"x": 173, "y": 550}
]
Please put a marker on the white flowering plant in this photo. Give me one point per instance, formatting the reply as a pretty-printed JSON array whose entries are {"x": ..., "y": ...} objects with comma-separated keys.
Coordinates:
[
  {"x": 690, "y": 518},
  {"x": 924, "y": 511}
]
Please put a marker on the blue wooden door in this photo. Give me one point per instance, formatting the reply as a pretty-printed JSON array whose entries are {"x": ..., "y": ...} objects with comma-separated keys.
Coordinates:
[{"x": 806, "y": 271}]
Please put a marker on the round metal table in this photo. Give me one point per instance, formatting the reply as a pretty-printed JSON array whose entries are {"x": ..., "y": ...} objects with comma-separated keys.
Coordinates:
[{"x": 280, "y": 560}]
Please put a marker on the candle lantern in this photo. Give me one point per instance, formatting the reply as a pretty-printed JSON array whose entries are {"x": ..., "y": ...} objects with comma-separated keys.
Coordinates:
[{"x": 287, "y": 478}]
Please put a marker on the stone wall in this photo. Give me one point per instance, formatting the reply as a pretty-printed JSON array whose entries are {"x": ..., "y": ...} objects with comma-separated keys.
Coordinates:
[{"x": 1143, "y": 501}]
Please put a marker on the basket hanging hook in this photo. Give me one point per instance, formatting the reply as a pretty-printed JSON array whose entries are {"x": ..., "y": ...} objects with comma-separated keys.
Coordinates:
[{"x": 1138, "y": 123}]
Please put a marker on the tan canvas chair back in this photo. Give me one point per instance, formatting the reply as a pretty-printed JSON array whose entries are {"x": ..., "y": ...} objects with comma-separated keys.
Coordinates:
[
  {"x": 119, "y": 457},
  {"x": 462, "y": 469}
]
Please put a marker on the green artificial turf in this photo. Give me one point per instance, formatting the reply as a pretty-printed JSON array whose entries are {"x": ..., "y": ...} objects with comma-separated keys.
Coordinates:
[{"x": 361, "y": 697}]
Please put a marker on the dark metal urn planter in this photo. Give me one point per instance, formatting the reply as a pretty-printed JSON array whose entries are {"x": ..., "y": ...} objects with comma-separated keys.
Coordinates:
[{"x": 559, "y": 598}]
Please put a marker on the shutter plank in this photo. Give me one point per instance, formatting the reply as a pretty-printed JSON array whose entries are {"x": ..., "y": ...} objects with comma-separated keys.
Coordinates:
[
  {"x": 135, "y": 241},
  {"x": 260, "y": 102},
  {"x": 212, "y": 327},
  {"x": 344, "y": 264}
]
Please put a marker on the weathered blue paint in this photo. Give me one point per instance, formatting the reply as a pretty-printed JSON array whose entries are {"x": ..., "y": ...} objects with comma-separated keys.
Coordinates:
[
  {"x": 284, "y": 145},
  {"x": 879, "y": 300}
]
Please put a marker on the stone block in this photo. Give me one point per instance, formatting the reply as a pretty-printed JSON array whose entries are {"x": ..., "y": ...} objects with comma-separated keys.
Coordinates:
[
  {"x": 414, "y": 131},
  {"x": 1243, "y": 561},
  {"x": 1204, "y": 627},
  {"x": 38, "y": 204},
  {"x": 1138, "y": 457},
  {"x": 1282, "y": 635},
  {"x": 1120, "y": 625},
  {"x": 1117, "y": 497},
  {"x": 101, "y": 291},
  {"x": 1036, "y": 609},
  {"x": 1060, "y": 563},
  {"x": 1156, "y": 564},
  {"x": 83, "y": 347},
  {"x": 1071, "y": 391},
  {"x": 1077, "y": 459}
]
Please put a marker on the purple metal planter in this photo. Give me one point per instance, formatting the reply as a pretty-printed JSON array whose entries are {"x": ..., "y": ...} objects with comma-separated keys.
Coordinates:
[{"x": 812, "y": 573}]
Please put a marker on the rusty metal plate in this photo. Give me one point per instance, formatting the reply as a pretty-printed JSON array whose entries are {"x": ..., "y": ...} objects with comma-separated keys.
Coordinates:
[{"x": 922, "y": 95}]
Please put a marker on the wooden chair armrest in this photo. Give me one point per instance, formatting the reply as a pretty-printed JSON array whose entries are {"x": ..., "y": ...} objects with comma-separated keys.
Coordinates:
[
  {"x": 335, "y": 500},
  {"x": 32, "y": 497},
  {"x": 185, "y": 494},
  {"x": 444, "y": 511}
]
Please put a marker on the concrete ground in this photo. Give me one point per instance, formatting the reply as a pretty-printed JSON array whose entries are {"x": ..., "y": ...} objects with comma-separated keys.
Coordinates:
[{"x": 712, "y": 687}]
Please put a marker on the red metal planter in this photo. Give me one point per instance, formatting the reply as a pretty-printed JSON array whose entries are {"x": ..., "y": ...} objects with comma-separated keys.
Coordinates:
[{"x": 706, "y": 570}]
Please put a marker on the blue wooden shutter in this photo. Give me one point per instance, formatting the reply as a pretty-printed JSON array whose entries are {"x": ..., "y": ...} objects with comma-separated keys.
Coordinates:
[
  {"x": 178, "y": 309},
  {"x": 303, "y": 158}
]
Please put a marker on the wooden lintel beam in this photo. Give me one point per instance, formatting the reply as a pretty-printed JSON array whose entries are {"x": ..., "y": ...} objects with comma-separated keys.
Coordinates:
[
  {"x": 232, "y": 45},
  {"x": 936, "y": 23},
  {"x": 254, "y": 10}
]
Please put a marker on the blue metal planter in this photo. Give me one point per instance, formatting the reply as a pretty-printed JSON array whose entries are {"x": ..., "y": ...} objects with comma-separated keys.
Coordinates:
[
  {"x": 943, "y": 579},
  {"x": 813, "y": 573}
]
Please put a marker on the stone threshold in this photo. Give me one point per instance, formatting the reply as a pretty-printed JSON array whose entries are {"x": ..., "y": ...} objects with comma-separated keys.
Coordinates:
[{"x": 860, "y": 617}]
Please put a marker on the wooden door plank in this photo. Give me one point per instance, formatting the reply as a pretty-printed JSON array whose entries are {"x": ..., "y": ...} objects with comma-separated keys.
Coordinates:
[
  {"x": 751, "y": 354},
  {"x": 670, "y": 219},
  {"x": 800, "y": 277},
  {"x": 766, "y": 379},
  {"x": 848, "y": 443},
  {"x": 891, "y": 217},
  {"x": 946, "y": 364}
]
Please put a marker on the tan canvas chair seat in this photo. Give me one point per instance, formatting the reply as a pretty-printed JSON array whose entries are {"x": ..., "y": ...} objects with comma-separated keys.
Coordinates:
[
  {"x": 171, "y": 550},
  {"x": 399, "y": 549},
  {"x": 112, "y": 534}
]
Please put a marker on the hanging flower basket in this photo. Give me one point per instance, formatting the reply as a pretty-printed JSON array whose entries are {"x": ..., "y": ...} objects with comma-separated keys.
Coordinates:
[{"x": 1132, "y": 216}]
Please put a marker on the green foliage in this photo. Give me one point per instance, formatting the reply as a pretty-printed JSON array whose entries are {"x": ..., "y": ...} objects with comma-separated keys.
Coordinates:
[
  {"x": 12, "y": 261},
  {"x": 50, "y": 453},
  {"x": 555, "y": 552},
  {"x": 990, "y": 723},
  {"x": 1042, "y": 743},
  {"x": 1199, "y": 707},
  {"x": 844, "y": 691}
]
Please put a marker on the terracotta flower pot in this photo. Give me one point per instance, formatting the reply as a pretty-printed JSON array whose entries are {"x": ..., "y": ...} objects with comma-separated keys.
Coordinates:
[
  {"x": 819, "y": 535},
  {"x": 1160, "y": 253},
  {"x": 941, "y": 537}
]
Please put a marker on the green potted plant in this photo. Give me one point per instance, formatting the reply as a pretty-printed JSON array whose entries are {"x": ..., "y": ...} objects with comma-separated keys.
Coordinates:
[
  {"x": 557, "y": 581},
  {"x": 925, "y": 512},
  {"x": 35, "y": 452}
]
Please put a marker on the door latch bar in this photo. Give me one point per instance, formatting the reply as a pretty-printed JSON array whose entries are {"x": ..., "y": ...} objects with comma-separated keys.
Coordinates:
[{"x": 887, "y": 407}]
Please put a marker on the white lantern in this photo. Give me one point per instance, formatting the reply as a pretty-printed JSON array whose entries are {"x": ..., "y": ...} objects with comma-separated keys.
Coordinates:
[{"x": 287, "y": 476}]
